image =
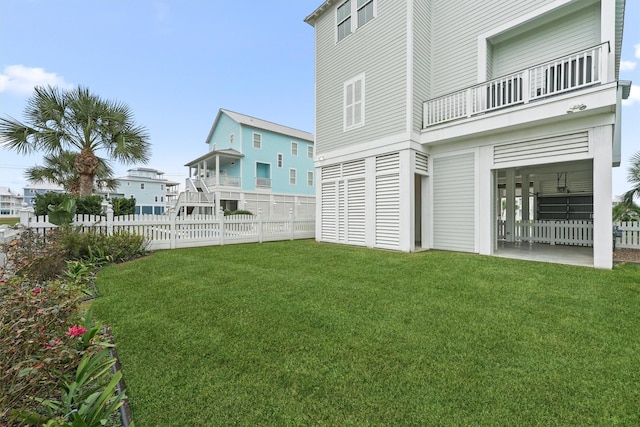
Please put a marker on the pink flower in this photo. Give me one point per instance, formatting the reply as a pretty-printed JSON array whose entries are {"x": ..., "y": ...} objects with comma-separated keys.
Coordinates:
[
  {"x": 76, "y": 331},
  {"x": 36, "y": 291},
  {"x": 52, "y": 345}
]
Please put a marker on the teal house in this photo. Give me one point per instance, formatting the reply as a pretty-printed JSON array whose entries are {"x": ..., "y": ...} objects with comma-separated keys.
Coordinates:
[{"x": 252, "y": 165}]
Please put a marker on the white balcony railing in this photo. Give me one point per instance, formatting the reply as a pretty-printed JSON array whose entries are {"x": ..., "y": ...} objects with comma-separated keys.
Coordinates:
[
  {"x": 575, "y": 71},
  {"x": 224, "y": 180},
  {"x": 263, "y": 182}
]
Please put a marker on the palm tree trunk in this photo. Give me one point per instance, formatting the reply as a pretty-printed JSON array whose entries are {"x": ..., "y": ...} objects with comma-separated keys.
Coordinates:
[{"x": 87, "y": 164}]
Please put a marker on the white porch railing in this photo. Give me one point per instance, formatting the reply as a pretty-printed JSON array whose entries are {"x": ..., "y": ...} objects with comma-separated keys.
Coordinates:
[
  {"x": 570, "y": 232},
  {"x": 263, "y": 182},
  {"x": 224, "y": 180},
  {"x": 580, "y": 69}
]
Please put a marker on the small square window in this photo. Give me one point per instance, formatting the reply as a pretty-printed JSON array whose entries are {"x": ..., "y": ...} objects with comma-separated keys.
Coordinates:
[
  {"x": 292, "y": 176},
  {"x": 310, "y": 151},
  {"x": 231, "y": 139},
  {"x": 257, "y": 140},
  {"x": 142, "y": 186},
  {"x": 280, "y": 160},
  {"x": 294, "y": 148}
]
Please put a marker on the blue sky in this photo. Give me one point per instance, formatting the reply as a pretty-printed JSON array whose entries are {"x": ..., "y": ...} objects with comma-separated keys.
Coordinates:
[{"x": 176, "y": 62}]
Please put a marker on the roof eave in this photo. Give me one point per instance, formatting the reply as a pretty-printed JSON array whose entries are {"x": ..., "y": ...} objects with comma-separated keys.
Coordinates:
[{"x": 311, "y": 19}]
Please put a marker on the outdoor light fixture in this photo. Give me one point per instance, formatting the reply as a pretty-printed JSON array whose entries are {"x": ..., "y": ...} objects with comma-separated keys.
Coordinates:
[{"x": 576, "y": 107}]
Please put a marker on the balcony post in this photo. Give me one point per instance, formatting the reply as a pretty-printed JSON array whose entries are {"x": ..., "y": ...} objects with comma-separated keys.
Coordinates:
[
  {"x": 217, "y": 172},
  {"x": 469, "y": 102},
  {"x": 526, "y": 86}
]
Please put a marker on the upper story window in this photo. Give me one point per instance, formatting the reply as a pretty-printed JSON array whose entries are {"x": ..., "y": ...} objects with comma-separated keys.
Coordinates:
[
  {"x": 310, "y": 178},
  {"x": 142, "y": 186},
  {"x": 292, "y": 176},
  {"x": 257, "y": 140},
  {"x": 363, "y": 10},
  {"x": 354, "y": 103},
  {"x": 280, "y": 160},
  {"x": 294, "y": 148},
  {"x": 310, "y": 151},
  {"x": 231, "y": 139}
]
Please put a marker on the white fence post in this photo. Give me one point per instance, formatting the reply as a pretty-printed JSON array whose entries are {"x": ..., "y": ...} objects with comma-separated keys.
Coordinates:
[
  {"x": 172, "y": 231},
  {"x": 292, "y": 223},
  {"x": 108, "y": 211},
  {"x": 221, "y": 225},
  {"x": 259, "y": 225},
  {"x": 25, "y": 213}
]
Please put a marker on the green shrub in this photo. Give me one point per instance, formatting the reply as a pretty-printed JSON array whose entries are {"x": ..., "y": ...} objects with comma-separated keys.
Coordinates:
[
  {"x": 227, "y": 213},
  {"x": 123, "y": 246},
  {"x": 89, "y": 205},
  {"x": 123, "y": 206}
]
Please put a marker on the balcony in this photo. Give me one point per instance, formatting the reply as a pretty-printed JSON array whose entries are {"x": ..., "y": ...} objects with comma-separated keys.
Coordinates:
[
  {"x": 578, "y": 70},
  {"x": 263, "y": 182},
  {"x": 223, "y": 181}
]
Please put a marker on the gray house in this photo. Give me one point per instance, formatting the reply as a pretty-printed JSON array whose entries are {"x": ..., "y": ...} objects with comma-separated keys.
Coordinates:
[{"x": 433, "y": 115}]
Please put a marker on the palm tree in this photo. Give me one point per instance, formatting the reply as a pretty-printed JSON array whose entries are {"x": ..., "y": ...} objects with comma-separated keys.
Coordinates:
[
  {"x": 80, "y": 122},
  {"x": 60, "y": 170},
  {"x": 634, "y": 179}
]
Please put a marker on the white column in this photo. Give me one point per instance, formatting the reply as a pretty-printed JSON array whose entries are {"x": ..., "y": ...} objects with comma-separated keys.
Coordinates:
[
  {"x": 510, "y": 223},
  {"x": 217, "y": 179},
  {"x": 602, "y": 197},
  {"x": 407, "y": 212},
  {"x": 485, "y": 233},
  {"x": 524, "y": 191},
  {"x": 370, "y": 201}
]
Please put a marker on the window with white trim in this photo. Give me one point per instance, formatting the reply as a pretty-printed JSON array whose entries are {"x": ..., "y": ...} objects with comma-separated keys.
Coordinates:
[
  {"x": 292, "y": 176},
  {"x": 343, "y": 18},
  {"x": 354, "y": 103},
  {"x": 280, "y": 160},
  {"x": 257, "y": 140},
  {"x": 310, "y": 178},
  {"x": 310, "y": 151},
  {"x": 363, "y": 11},
  {"x": 294, "y": 148}
]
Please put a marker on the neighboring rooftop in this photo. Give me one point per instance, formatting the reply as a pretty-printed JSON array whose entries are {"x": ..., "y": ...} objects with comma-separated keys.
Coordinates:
[{"x": 243, "y": 119}]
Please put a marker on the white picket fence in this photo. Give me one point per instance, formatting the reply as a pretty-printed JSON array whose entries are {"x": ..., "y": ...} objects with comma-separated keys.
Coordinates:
[
  {"x": 570, "y": 232},
  {"x": 170, "y": 232},
  {"x": 629, "y": 235}
]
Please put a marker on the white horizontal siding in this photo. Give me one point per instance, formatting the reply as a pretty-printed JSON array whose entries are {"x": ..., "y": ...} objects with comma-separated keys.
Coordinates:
[
  {"x": 551, "y": 149},
  {"x": 571, "y": 33},
  {"x": 385, "y": 80},
  {"x": 454, "y": 202},
  {"x": 421, "y": 59}
]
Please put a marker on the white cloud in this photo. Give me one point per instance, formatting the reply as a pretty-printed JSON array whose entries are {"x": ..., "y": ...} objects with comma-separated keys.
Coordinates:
[
  {"x": 627, "y": 65},
  {"x": 21, "y": 80},
  {"x": 634, "y": 96}
]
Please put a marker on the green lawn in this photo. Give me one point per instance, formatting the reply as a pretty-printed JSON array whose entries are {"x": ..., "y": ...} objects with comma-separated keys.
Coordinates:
[
  {"x": 7, "y": 220},
  {"x": 302, "y": 333}
]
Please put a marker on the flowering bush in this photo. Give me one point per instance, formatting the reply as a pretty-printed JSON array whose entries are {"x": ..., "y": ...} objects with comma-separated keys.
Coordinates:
[{"x": 43, "y": 339}]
